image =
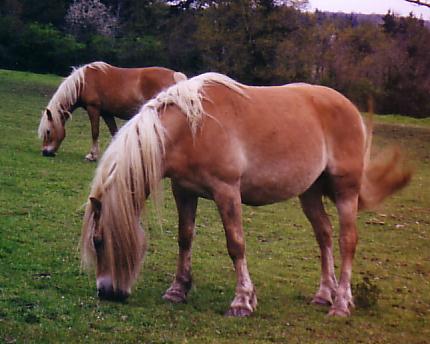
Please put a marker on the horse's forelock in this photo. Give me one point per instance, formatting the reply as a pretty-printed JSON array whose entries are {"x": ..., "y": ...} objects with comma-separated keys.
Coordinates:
[
  {"x": 46, "y": 124},
  {"x": 120, "y": 184},
  {"x": 88, "y": 253},
  {"x": 123, "y": 248}
]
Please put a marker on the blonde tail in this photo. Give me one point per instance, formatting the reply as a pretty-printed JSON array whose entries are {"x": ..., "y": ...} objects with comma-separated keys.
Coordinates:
[{"x": 383, "y": 175}]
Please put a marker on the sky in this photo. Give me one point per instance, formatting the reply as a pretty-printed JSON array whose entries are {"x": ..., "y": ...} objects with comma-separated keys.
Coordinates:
[{"x": 400, "y": 7}]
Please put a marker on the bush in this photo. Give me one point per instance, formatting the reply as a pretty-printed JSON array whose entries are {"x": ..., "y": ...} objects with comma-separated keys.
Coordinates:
[
  {"x": 10, "y": 31},
  {"x": 43, "y": 48},
  {"x": 141, "y": 51}
]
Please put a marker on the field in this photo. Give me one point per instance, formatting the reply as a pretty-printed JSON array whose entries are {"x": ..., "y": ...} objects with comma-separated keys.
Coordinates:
[{"x": 46, "y": 298}]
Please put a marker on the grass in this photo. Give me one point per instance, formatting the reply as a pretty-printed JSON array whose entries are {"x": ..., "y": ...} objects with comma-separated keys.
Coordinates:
[
  {"x": 403, "y": 120},
  {"x": 46, "y": 298}
]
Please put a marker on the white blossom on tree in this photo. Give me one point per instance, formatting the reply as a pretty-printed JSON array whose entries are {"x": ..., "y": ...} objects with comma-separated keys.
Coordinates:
[{"x": 84, "y": 16}]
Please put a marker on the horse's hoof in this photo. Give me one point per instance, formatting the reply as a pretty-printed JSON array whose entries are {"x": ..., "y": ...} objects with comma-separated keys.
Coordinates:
[
  {"x": 339, "y": 312},
  {"x": 238, "y": 312},
  {"x": 320, "y": 301},
  {"x": 90, "y": 157},
  {"x": 175, "y": 296}
]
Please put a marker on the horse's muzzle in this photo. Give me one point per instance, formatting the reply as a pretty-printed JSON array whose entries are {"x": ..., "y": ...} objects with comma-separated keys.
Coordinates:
[
  {"x": 107, "y": 293},
  {"x": 46, "y": 152}
]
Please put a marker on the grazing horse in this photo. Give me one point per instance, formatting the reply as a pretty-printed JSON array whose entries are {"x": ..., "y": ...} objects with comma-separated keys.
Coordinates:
[
  {"x": 221, "y": 140},
  {"x": 102, "y": 90}
]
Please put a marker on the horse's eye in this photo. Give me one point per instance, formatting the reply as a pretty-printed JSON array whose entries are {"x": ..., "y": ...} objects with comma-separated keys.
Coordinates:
[
  {"x": 48, "y": 132},
  {"x": 97, "y": 243}
]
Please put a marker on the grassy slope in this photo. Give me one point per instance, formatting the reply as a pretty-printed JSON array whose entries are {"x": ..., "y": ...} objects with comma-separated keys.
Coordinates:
[{"x": 45, "y": 298}]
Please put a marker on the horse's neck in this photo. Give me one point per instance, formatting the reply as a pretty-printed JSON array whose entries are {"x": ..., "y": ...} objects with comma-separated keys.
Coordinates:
[
  {"x": 76, "y": 105},
  {"x": 70, "y": 94}
]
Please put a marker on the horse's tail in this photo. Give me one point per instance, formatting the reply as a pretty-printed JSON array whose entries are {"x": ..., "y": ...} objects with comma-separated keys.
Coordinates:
[{"x": 383, "y": 175}]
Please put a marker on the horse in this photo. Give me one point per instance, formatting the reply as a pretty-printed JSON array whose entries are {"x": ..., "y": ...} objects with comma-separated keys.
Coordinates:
[
  {"x": 102, "y": 90},
  {"x": 221, "y": 140}
]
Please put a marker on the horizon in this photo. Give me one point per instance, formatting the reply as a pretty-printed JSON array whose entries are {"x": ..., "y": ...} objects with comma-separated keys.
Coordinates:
[{"x": 398, "y": 7}]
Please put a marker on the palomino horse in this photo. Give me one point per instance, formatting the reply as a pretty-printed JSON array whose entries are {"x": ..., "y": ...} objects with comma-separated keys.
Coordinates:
[
  {"x": 218, "y": 139},
  {"x": 102, "y": 90}
]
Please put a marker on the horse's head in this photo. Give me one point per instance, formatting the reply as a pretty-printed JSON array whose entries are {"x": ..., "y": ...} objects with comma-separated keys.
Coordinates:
[
  {"x": 115, "y": 250},
  {"x": 52, "y": 131}
]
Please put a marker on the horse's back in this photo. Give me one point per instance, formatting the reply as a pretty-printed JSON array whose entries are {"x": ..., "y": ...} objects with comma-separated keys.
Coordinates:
[{"x": 120, "y": 91}]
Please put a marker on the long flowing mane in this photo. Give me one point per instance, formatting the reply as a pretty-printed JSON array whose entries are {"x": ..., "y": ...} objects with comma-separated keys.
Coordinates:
[
  {"x": 67, "y": 95},
  {"x": 123, "y": 181}
]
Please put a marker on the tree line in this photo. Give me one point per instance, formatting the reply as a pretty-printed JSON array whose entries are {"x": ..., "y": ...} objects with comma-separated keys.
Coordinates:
[{"x": 258, "y": 42}]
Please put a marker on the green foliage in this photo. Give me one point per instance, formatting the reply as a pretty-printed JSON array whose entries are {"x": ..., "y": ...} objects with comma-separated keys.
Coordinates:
[
  {"x": 256, "y": 42},
  {"x": 44, "y": 11},
  {"x": 37, "y": 47},
  {"x": 40, "y": 43},
  {"x": 100, "y": 48},
  {"x": 141, "y": 51},
  {"x": 45, "y": 297}
]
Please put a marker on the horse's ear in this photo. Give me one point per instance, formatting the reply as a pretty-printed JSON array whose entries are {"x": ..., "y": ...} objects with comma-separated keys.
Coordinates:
[
  {"x": 97, "y": 207},
  {"x": 49, "y": 115}
]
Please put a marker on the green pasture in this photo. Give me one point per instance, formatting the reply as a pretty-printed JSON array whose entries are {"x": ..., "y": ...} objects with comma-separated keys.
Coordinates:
[{"x": 46, "y": 298}]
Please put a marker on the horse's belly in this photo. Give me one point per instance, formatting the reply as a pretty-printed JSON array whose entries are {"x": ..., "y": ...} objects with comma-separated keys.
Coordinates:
[{"x": 271, "y": 183}]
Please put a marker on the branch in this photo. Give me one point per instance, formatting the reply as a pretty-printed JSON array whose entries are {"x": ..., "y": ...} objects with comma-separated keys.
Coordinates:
[{"x": 420, "y": 2}]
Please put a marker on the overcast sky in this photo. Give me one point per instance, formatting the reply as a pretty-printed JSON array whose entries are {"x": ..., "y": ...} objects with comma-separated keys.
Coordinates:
[{"x": 400, "y": 7}]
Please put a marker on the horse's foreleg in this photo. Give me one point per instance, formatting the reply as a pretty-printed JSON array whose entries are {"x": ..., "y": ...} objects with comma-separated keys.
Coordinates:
[
  {"x": 94, "y": 115},
  {"x": 313, "y": 208},
  {"x": 346, "y": 204},
  {"x": 229, "y": 205},
  {"x": 111, "y": 124},
  {"x": 186, "y": 205}
]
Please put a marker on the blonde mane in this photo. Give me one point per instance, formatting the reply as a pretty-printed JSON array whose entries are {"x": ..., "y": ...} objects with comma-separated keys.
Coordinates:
[
  {"x": 131, "y": 168},
  {"x": 67, "y": 95}
]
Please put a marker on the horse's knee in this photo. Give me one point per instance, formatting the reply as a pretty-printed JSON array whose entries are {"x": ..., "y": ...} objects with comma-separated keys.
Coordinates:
[
  {"x": 349, "y": 238},
  {"x": 235, "y": 247}
]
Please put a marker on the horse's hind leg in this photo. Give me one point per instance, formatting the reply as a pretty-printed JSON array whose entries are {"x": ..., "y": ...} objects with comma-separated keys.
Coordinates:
[
  {"x": 346, "y": 189},
  {"x": 313, "y": 208},
  {"x": 186, "y": 205},
  {"x": 228, "y": 201},
  {"x": 111, "y": 124}
]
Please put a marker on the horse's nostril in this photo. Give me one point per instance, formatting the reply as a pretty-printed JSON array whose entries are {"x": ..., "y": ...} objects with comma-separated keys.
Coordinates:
[
  {"x": 46, "y": 152},
  {"x": 111, "y": 295},
  {"x": 121, "y": 296},
  {"x": 102, "y": 293}
]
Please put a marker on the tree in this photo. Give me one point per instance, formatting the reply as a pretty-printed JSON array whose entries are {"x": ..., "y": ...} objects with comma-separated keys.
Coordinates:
[
  {"x": 86, "y": 17},
  {"x": 408, "y": 82},
  {"x": 420, "y": 2},
  {"x": 44, "y": 11}
]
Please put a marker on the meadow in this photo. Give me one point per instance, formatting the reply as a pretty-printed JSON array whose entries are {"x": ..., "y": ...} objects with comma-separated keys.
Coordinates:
[{"x": 45, "y": 297}]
